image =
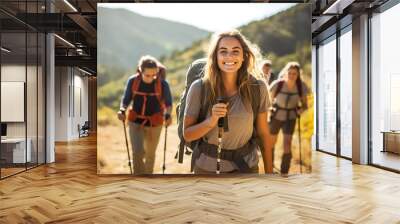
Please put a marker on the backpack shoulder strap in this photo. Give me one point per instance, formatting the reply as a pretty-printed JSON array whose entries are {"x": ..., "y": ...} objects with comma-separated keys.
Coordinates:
[
  {"x": 137, "y": 78},
  {"x": 255, "y": 104},
  {"x": 279, "y": 87},
  {"x": 299, "y": 85},
  {"x": 255, "y": 98},
  {"x": 159, "y": 92},
  {"x": 204, "y": 104}
]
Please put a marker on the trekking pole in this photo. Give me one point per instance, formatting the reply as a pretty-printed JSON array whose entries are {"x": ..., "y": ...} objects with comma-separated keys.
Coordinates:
[
  {"x": 180, "y": 153},
  {"x": 220, "y": 132},
  {"x": 176, "y": 154},
  {"x": 165, "y": 148},
  {"x": 301, "y": 162},
  {"x": 127, "y": 149}
]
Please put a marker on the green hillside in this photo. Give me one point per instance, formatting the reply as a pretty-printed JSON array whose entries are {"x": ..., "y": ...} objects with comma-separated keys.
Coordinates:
[
  {"x": 282, "y": 37},
  {"x": 124, "y": 36}
]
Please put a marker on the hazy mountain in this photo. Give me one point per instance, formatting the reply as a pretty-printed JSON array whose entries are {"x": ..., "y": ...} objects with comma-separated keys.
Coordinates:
[{"x": 124, "y": 36}]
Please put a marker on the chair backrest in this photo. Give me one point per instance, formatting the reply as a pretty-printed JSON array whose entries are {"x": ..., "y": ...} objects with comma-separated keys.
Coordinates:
[{"x": 86, "y": 125}]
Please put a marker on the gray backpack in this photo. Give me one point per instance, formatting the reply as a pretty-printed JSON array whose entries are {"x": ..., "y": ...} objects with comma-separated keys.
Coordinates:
[{"x": 194, "y": 72}]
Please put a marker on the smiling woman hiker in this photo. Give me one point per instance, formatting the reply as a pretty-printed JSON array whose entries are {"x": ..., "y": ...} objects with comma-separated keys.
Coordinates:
[
  {"x": 230, "y": 146},
  {"x": 152, "y": 103},
  {"x": 289, "y": 97}
]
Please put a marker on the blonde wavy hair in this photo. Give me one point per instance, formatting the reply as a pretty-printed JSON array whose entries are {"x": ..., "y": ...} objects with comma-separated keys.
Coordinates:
[{"x": 212, "y": 76}]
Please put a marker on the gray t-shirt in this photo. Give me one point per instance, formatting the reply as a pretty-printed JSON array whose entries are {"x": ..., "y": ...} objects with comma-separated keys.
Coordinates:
[
  {"x": 240, "y": 124},
  {"x": 286, "y": 99}
]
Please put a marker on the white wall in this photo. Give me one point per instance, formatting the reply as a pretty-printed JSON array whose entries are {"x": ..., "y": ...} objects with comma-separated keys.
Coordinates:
[
  {"x": 13, "y": 73},
  {"x": 16, "y": 73},
  {"x": 71, "y": 102},
  {"x": 61, "y": 103},
  {"x": 33, "y": 126}
]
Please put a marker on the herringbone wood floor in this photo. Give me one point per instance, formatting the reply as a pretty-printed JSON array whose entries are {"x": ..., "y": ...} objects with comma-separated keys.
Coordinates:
[{"x": 70, "y": 191}]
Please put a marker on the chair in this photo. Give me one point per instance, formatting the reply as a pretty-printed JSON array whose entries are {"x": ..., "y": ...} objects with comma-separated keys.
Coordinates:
[{"x": 84, "y": 130}]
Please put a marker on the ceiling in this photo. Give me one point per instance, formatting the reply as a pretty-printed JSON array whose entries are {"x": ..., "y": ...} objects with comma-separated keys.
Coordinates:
[
  {"x": 75, "y": 23},
  {"x": 329, "y": 15}
]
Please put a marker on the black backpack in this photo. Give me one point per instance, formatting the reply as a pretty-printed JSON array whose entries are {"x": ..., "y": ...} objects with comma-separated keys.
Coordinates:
[{"x": 195, "y": 72}]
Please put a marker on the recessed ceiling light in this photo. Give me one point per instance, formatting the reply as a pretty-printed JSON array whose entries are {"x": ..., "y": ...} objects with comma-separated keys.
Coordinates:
[
  {"x": 5, "y": 50},
  {"x": 64, "y": 40},
  {"x": 71, "y": 6},
  {"x": 86, "y": 72}
]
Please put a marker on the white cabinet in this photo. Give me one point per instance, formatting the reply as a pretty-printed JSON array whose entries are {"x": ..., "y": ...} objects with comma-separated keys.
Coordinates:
[{"x": 17, "y": 147}]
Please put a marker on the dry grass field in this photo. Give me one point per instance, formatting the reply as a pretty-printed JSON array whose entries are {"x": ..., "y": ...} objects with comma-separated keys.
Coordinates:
[{"x": 112, "y": 155}]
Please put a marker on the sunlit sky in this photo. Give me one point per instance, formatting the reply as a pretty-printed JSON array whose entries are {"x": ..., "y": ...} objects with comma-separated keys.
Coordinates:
[{"x": 208, "y": 16}]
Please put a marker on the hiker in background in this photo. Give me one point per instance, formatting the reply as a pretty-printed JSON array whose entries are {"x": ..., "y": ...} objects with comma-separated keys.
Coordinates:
[
  {"x": 289, "y": 100},
  {"x": 266, "y": 69},
  {"x": 151, "y": 107},
  {"x": 228, "y": 73}
]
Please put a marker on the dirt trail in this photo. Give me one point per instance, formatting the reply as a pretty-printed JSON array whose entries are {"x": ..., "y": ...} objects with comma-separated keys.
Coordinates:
[{"x": 112, "y": 156}]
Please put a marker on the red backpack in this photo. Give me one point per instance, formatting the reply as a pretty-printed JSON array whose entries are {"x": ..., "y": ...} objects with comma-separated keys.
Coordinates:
[{"x": 156, "y": 119}]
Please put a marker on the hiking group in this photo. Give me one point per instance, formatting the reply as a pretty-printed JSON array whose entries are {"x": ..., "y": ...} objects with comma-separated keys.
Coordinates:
[{"x": 226, "y": 114}]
